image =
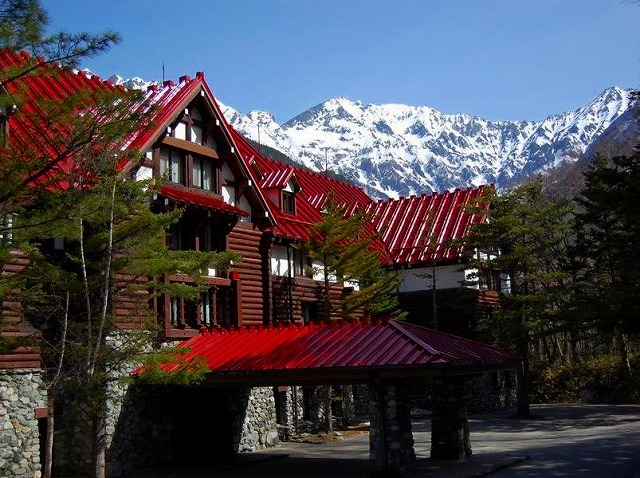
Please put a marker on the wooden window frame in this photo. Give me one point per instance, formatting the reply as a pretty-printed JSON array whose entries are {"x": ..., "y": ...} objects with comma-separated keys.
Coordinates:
[{"x": 288, "y": 202}]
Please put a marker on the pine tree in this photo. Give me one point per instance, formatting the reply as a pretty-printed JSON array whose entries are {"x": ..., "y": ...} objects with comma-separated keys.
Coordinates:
[
  {"x": 110, "y": 245},
  {"x": 87, "y": 230},
  {"x": 343, "y": 249},
  {"x": 525, "y": 238},
  {"x": 607, "y": 235}
]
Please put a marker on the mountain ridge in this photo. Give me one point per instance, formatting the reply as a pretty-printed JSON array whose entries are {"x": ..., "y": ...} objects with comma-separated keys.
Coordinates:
[
  {"x": 399, "y": 150},
  {"x": 396, "y": 149}
]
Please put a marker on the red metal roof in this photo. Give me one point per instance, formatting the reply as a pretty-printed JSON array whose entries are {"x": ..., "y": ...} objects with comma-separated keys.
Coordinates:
[
  {"x": 189, "y": 196},
  {"x": 418, "y": 229},
  {"x": 412, "y": 230},
  {"x": 313, "y": 186},
  {"x": 277, "y": 178},
  {"x": 354, "y": 348},
  {"x": 41, "y": 132},
  {"x": 31, "y": 127}
]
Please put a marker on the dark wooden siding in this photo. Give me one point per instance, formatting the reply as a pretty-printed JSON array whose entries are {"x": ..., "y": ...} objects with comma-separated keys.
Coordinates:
[
  {"x": 289, "y": 295},
  {"x": 12, "y": 322},
  {"x": 131, "y": 307},
  {"x": 252, "y": 245},
  {"x": 457, "y": 310}
]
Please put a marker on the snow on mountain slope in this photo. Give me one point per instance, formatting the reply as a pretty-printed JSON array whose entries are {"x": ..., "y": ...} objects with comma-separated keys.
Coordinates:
[
  {"x": 402, "y": 150},
  {"x": 397, "y": 149}
]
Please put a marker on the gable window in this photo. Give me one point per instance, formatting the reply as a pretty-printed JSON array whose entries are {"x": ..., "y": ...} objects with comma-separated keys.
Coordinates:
[
  {"x": 172, "y": 164},
  {"x": 203, "y": 176},
  {"x": 288, "y": 202},
  {"x": 192, "y": 127}
]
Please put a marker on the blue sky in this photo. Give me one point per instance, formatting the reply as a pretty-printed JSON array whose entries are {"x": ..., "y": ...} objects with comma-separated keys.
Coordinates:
[{"x": 498, "y": 59}]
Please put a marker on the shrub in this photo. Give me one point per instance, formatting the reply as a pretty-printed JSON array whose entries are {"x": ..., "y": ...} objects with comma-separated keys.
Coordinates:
[{"x": 602, "y": 379}]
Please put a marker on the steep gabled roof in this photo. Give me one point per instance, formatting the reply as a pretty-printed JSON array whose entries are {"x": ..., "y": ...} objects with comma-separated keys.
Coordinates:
[
  {"x": 339, "y": 350},
  {"x": 49, "y": 82},
  {"x": 412, "y": 230},
  {"x": 310, "y": 200}
]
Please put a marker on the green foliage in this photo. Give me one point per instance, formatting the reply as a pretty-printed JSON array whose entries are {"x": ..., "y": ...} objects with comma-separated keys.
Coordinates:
[
  {"x": 525, "y": 239},
  {"x": 604, "y": 378},
  {"x": 345, "y": 249},
  {"x": 22, "y": 27},
  {"x": 168, "y": 366},
  {"x": 607, "y": 235}
]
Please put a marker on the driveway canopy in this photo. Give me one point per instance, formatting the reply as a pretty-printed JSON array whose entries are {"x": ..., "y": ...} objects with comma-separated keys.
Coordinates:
[{"x": 338, "y": 352}]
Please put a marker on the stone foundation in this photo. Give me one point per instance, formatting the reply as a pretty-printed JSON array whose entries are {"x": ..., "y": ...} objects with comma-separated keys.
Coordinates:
[
  {"x": 493, "y": 391},
  {"x": 21, "y": 391}
]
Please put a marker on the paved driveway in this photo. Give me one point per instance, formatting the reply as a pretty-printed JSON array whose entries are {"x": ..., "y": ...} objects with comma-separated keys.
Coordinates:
[{"x": 566, "y": 441}]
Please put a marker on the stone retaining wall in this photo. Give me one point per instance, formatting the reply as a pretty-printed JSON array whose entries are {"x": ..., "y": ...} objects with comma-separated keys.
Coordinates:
[{"x": 21, "y": 391}]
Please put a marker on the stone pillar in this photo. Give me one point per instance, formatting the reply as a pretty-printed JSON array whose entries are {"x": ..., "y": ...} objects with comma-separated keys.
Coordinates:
[
  {"x": 390, "y": 437},
  {"x": 450, "y": 422},
  {"x": 254, "y": 411}
]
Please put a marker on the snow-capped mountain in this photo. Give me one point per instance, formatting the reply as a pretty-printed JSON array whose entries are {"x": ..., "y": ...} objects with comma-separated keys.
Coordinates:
[
  {"x": 401, "y": 150},
  {"x": 398, "y": 150},
  {"x": 134, "y": 83}
]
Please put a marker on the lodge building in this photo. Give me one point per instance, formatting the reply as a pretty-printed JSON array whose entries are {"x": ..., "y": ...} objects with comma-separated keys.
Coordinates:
[{"x": 234, "y": 198}]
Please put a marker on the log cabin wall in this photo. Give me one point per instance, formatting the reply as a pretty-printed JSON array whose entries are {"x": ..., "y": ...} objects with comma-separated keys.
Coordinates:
[
  {"x": 300, "y": 300},
  {"x": 12, "y": 322},
  {"x": 248, "y": 241},
  {"x": 131, "y": 307}
]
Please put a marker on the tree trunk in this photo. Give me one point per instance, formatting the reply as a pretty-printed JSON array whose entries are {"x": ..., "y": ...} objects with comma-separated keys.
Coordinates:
[
  {"x": 48, "y": 455},
  {"x": 99, "y": 442},
  {"x": 624, "y": 357},
  {"x": 328, "y": 413},
  {"x": 523, "y": 381}
]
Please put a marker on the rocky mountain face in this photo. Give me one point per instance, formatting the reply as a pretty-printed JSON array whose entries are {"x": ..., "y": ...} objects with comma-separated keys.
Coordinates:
[{"x": 397, "y": 150}]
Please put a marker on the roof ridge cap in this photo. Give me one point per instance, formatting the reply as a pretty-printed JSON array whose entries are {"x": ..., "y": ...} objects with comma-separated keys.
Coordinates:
[{"x": 396, "y": 325}]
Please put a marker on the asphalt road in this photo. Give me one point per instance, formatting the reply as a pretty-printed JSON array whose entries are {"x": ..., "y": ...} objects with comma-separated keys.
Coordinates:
[
  {"x": 595, "y": 441},
  {"x": 599, "y": 441}
]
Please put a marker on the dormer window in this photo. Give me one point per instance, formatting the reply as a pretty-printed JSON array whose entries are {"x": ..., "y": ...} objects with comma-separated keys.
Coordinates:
[{"x": 288, "y": 202}]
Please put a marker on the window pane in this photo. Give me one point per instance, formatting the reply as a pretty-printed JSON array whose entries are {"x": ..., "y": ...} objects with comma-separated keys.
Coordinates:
[
  {"x": 175, "y": 310},
  {"x": 181, "y": 131},
  {"x": 196, "y": 134},
  {"x": 205, "y": 308},
  {"x": 164, "y": 161},
  {"x": 207, "y": 182},
  {"x": 176, "y": 168},
  {"x": 197, "y": 172},
  {"x": 211, "y": 142}
]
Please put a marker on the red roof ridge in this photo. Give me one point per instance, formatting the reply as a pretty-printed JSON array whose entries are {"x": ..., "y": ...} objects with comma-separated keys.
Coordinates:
[{"x": 398, "y": 326}]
